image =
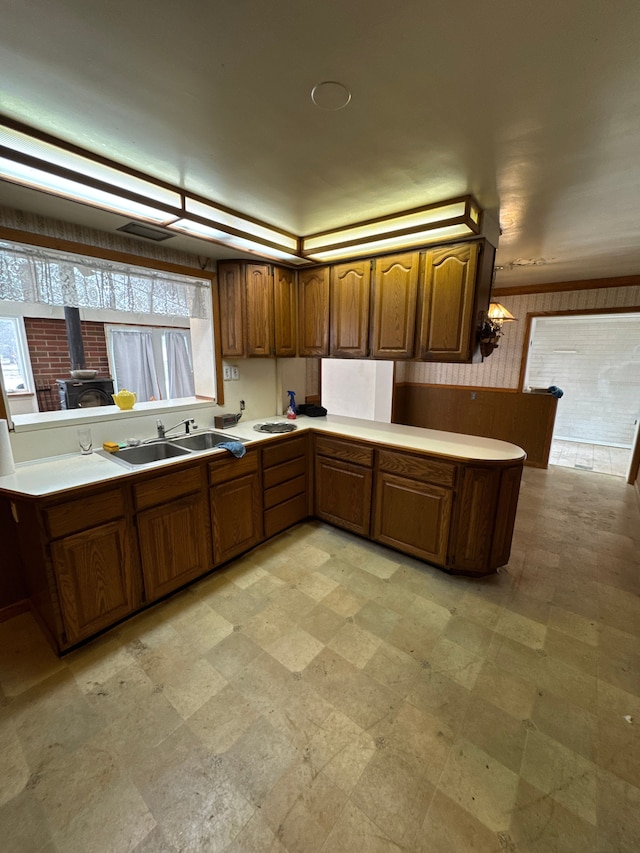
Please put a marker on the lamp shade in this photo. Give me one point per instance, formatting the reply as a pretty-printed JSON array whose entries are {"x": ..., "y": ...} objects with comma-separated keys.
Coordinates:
[{"x": 499, "y": 312}]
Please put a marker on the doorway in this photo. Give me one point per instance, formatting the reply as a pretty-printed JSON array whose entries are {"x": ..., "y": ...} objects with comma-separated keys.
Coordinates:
[{"x": 595, "y": 360}]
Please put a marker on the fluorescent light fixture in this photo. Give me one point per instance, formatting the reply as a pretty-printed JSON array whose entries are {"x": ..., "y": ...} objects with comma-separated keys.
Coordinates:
[
  {"x": 224, "y": 238},
  {"x": 221, "y": 216},
  {"x": 39, "y": 161},
  {"x": 44, "y": 166},
  {"x": 458, "y": 217}
]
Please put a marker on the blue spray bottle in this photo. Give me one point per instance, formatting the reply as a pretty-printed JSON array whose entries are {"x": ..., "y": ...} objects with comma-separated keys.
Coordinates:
[{"x": 292, "y": 410}]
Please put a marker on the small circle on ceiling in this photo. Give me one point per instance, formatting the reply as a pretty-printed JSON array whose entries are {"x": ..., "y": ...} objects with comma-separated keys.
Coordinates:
[{"x": 330, "y": 95}]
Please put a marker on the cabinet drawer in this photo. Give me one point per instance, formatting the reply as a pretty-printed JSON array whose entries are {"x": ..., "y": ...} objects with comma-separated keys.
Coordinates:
[
  {"x": 167, "y": 487},
  {"x": 223, "y": 470},
  {"x": 284, "y": 515},
  {"x": 80, "y": 514},
  {"x": 350, "y": 451},
  {"x": 283, "y": 450},
  {"x": 284, "y": 472},
  {"x": 419, "y": 467},
  {"x": 284, "y": 491}
]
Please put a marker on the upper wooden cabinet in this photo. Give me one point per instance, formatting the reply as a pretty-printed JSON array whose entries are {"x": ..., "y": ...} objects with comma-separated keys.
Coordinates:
[
  {"x": 313, "y": 311},
  {"x": 448, "y": 299},
  {"x": 395, "y": 293},
  {"x": 257, "y": 310},
  {"x": 232, "y": 296},
  {"x": 284, "y": 311},
  {"x": 350, "y": 293}
]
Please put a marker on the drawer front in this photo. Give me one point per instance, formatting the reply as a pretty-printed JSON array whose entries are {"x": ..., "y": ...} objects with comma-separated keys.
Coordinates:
[
  {"x": 284, "y": 515},
  {"x": 282, "y": 473},
  {"x": 283, "y": 491},
  {"x": 350, "y": 451},
  {"x": 80, "y": 514},
  {"x": 225, "y": 469},
  {"x": 167, "y": 487},
  {"x": 284, "y": 450},
  {"x": 418, "y": 467}
]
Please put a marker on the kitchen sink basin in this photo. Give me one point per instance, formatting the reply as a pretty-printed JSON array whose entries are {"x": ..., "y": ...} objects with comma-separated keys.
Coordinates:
[
  {"x": 143, "y": 454},
  {"x": 204, "y": 440}
]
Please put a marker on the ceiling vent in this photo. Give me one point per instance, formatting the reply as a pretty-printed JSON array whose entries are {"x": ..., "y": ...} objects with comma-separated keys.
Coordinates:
[{"x": 140, "y": 230}]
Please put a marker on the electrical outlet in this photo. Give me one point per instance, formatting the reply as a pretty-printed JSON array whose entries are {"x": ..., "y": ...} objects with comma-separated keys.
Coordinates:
[
  {"x": 226, "y": 372},
  {"x": 235, "y": 372}
]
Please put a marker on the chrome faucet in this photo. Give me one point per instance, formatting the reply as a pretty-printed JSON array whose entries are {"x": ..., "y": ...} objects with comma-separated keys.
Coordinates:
[{"x": 188, "y": 423}]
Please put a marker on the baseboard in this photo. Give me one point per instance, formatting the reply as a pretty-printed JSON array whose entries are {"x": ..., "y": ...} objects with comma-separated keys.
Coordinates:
[{"x": 14, "y": 609}]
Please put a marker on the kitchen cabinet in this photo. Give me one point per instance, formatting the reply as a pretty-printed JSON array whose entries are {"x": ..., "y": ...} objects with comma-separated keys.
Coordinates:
[
  {"x": 257, "y": 310},
  {"x": 284, "y": 477},
  {"x": 349, "y": 309},
  {"x": 450, "y": 300},
  {"x": 173, "y": 530},
  {"x": 313, "y": 311},
  {"x": 232, "y": 296},
  {"x": 413, "y": 504},
  {"x": 236, "y": 505},
  {"x": 395, "y": 294},
  {"x": 343, "y": 483},
  {"x": 80, "y": 561}
]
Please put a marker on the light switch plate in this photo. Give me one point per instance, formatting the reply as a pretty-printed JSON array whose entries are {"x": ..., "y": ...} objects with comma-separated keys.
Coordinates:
[
  {"x": 226, "y": 372},
  {"x": 235, "y": 372}
]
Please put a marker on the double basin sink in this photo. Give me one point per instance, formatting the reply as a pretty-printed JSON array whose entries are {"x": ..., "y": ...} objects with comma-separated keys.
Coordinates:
[{"x": 161, "y": 449}]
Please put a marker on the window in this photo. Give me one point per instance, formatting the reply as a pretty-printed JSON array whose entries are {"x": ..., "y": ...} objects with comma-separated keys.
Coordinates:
[
  {"x": 16, "y": 369},
  {"x": 155, "y": 363}
]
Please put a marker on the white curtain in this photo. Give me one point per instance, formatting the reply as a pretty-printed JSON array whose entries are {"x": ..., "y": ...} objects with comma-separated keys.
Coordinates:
[
  {"x": 134, "y": 364},
  {"x": 179, "y": 366},
  {"x": 34, "y": 274}
]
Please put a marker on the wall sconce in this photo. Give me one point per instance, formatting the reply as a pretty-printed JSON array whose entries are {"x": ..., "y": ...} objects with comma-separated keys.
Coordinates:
[{"x": 491, "y": 330}]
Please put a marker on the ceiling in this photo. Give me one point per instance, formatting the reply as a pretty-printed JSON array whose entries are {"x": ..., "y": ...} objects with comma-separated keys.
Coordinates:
[{"x": 533, "y": 108}]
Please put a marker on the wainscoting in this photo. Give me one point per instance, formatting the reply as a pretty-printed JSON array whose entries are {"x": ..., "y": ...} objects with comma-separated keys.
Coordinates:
[{"x": 523, "y": 419}]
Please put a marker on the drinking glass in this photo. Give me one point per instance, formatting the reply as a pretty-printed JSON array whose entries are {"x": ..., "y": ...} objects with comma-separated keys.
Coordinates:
[{"x": 85, "y": 441}]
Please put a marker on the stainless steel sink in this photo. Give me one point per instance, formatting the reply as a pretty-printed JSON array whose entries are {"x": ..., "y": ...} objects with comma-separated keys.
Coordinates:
[
  {"x": 204, "y": 440},
  {"x": 143, "y": 454}
]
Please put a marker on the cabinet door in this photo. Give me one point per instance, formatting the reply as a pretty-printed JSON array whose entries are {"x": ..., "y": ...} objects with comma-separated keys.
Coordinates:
[
  {"x": 174, "y": 544},
  {"x": 350, "y": 291},
  {"x": 95, "y": 578},
  {"x": 413, "y": 517},
  {"x": 395, "y": 292},
  {"x": 343, "y": 494},
  {"x": 236, "y": 516},
  {"x": 231, "y": 291},
  {"x": 259, "y": 310},
  {"x": 447, "y": 318},
  {"x": 313, "y": 312},
  {"x": 284, "y": 311}
]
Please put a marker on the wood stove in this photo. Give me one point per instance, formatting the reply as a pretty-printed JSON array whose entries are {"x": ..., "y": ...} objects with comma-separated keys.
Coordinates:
[{"x": 85, "y": 393}]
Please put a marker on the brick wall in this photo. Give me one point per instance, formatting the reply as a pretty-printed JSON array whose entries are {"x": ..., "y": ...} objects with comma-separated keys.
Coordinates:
[{"x": 49, "y": 351}]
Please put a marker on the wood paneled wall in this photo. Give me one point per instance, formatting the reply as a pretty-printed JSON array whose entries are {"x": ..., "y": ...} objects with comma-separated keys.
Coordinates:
[{"x": 523, "y": 419}]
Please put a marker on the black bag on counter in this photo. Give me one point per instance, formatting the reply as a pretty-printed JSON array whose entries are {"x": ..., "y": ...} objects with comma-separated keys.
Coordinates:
[{"x": 311, "y": 410}]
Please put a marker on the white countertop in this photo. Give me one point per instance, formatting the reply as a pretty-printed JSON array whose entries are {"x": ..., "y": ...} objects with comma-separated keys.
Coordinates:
[{"x": 60, "y": 473}]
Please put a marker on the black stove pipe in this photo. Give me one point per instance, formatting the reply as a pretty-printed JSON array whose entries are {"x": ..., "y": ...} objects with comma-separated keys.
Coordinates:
[{"x": 74, "y": 337}]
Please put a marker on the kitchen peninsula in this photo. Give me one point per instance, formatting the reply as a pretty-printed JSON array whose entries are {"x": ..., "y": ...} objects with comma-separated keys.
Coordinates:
[{"x": 98, "y": 543}]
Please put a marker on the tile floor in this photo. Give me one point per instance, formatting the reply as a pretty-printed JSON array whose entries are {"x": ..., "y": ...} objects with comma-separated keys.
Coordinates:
[
  {"x": 590, "y": 457},
  {"x": 325, "y": 694}
]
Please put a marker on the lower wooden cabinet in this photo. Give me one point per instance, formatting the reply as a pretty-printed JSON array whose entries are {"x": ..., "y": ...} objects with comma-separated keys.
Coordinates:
[
  {"x": 174, "y": 546},
  {"x": 342, "y": 487},
  {"x": 94, "y": 572},
  {"x": 236, "y": 506},
  {"x": 284, "y": 478},
  {"x": 412, "y": 517}
]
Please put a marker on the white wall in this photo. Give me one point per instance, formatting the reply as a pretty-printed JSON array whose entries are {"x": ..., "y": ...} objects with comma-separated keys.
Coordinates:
[{"x": 358, "y": 388}]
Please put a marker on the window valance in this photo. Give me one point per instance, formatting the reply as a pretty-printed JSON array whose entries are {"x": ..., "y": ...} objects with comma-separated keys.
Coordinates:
[{"x": 50, "y": 277}]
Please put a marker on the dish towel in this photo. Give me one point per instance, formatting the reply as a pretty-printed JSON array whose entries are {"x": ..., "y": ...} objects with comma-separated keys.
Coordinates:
[{"x": 237, "y": 448}]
